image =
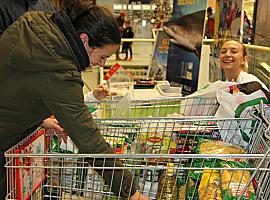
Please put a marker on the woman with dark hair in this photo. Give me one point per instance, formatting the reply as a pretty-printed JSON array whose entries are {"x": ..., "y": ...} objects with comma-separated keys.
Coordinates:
[{"x": 42, "y": 56}]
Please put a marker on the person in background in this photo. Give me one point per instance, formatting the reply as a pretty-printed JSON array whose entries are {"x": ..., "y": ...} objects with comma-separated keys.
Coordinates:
[
  {"x": 246, "y": 19},
  {"x": 45, "y": 79},
  {"x": 120, "y": 19},
  {"x": 128, "y": 33},
  {"x": 210, "y": 24},
  {"x": 247, "y": 30}
]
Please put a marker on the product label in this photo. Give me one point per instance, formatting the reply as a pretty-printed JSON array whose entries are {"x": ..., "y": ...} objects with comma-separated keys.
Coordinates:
[{"x": 236, "y": 190}]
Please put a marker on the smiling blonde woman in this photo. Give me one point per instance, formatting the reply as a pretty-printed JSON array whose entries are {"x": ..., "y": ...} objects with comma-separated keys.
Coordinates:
[{"x": 233, "y": 61}]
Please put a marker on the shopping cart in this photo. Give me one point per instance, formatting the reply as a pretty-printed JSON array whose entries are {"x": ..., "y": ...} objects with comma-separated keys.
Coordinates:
[
  {"x": 39, "y": 167},
  {"x": 154, "y": 107}
]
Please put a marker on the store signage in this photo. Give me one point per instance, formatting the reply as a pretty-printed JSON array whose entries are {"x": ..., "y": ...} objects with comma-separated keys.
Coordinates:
[
  {"x": 158, "y": 64},
  {"x": 227, "y": 26},
  {"x": 184, "y": 60}
]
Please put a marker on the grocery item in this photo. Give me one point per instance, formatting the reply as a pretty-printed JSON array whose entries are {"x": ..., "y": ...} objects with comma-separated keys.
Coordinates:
[
  {"x": 94, "y": 185},
  {"x": 186, "y": 140},
  {"x": 155, "y": 143},
  {"x": 181, "y": 190},
  {"x": 206, "y": 146},
  {"x": 209, "y": 188},
  {"x": 167, "y": 185},
  {"x": 149, "y": 189},
  {"x": 192, "y": 190},
  {"x": 219, "y": 147},
  {"x": 233, "y": 89},
  {"x": 60, "y": 146},
  {"x": 181, "y": 184},
  {"x": 195, "y": 176},
  {"x": 152, "y": 175},
  {"x": 120, "y": 143},
  {"x": 234, "y": 181}
]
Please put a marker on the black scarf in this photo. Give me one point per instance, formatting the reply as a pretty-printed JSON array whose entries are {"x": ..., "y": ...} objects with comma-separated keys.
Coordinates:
[{"x": 62, "y": 21}]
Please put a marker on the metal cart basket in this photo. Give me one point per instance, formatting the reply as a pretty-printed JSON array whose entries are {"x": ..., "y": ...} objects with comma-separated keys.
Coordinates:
[
  {"x": 154, "y": 107},
  {"x": 43, "y": 167}
]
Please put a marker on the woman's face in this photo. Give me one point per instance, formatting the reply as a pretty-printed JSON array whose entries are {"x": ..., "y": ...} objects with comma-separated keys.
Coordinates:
[
  {"x": 98, "y": 55},
  {"x": 231, "y": 56}
]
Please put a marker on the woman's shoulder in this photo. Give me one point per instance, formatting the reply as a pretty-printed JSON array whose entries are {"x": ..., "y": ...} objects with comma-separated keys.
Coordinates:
[{"x": 246, "y": 77}]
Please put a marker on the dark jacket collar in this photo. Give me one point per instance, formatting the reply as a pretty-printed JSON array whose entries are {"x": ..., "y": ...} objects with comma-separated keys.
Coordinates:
[{"x": 62, "y": 21}]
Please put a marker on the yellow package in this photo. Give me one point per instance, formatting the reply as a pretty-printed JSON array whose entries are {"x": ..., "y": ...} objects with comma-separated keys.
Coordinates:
[
  {"x": 209, "y": 188},
  {"x": 233, "y": 183},
  {"x": 219, "y": 147},
  {"x": 157, "y": 143}
]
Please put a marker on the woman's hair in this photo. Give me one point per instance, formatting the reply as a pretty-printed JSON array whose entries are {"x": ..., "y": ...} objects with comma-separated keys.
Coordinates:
[
  {"x": 243, "y": 47},
  {"x": 97, "y": 22},
  {"x": 244, "y": 51}
]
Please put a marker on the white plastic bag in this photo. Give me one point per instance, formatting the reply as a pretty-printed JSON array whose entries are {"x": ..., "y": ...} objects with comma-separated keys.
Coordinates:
[
  {"x": 201, "y": 102},
  {"x": 236, "y": 106},
  {"x": 210, "y": 90}
]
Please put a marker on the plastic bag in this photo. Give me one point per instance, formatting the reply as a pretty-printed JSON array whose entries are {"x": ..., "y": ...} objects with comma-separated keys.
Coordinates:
[
  {"x": 209, "y": 188},
  {"x": 218, "y": 147},
  {"x": 237, "y": 105},
  {"x": 123, "y": 107},
  {"x": 201, "y": 102}
]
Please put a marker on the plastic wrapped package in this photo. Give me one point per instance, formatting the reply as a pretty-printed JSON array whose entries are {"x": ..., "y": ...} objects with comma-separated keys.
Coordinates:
[
  {"x": 234, "y": 181},
  {"x": 218, "y": 147},
  {"x": 209, "y": 188}
]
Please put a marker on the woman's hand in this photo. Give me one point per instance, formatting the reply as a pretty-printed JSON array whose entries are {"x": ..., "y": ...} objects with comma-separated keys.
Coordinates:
[
  {"x": 138, "y": 196},
  {"x": 102, "y": 91},
  {"x": 51, "y": 123}
]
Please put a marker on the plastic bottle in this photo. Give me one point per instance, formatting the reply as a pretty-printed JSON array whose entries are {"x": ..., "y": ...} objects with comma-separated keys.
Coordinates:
[{"x": 167, "y": 187}]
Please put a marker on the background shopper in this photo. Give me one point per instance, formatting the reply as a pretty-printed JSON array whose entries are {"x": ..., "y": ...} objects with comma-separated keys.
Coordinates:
[
  {"x": 128, "y": 33},
  {"x": 121, "y": 20},
  {"x": 210, "y": 24}
]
